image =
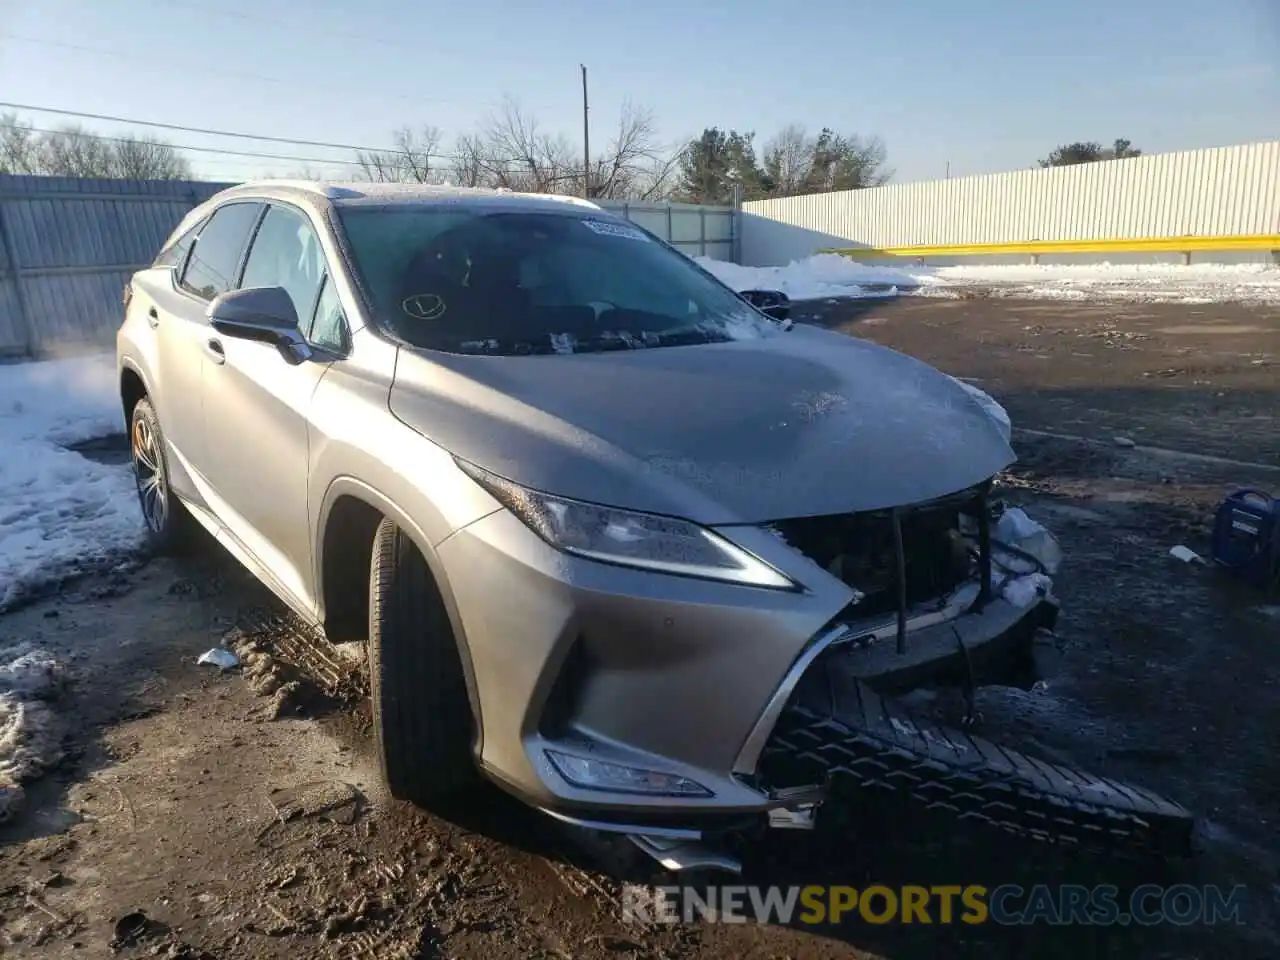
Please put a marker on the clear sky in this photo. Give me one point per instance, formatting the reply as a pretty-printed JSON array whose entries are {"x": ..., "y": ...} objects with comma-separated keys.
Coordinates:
[{"x": 987, "y": 85}]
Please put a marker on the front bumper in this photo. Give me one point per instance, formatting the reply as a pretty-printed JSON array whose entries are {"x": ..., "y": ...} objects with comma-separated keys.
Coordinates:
[
  {"x": 683, "y": 677},
  {"x": 994, "y": 646}
]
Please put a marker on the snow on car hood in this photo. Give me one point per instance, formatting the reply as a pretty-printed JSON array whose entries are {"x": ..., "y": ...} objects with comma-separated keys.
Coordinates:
[{"x": 800, "y": 424}]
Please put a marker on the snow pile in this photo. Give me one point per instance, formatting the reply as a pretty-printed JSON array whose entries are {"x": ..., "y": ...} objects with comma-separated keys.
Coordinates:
[
  {"x": 58, "y": 510},
  {"x": 30, "y": 737},
  {"x": 815, "y": 278},
  {"x": 828, "y": 275},
  {"x": 1145, "y": 282}
]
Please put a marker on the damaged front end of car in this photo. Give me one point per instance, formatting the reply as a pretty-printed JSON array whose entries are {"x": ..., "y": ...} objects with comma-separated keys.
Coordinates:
[{"x": 954, "y": 592}]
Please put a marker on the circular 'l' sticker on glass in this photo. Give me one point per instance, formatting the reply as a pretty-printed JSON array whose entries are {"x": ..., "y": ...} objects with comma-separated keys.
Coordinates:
[{"x": 423, "y": 306}]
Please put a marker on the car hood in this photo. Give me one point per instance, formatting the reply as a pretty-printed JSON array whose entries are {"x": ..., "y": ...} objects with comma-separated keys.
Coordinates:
[{"x": 796, "y": 424}]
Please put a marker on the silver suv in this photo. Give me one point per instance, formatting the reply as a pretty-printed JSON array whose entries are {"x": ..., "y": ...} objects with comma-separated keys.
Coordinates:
[{"x": 624, "y": 541}]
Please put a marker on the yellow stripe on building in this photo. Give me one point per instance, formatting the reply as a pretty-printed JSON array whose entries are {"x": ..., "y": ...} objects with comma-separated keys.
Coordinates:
[{"x": 1049, "y": 247}]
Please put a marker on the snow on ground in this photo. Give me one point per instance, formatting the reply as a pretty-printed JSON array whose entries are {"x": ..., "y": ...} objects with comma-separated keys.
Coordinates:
[
  {"x": 59, "y": 511},
  {"x": 815, "y": 278},
  {"x": 30, "y": 733},
  {"x": 1146, "y": 282},
  {"x": 827, "y": 275}
]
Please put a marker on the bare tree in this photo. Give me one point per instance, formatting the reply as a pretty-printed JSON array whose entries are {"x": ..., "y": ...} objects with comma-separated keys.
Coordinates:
[
  {"x": 788, "y": 160},
  {"x": 148, "y": 159},
  {"x": 635, "y": 166},
  {"x": 468, "y": 166},
  {"x": 71, "y": 152},
  {"x": 19, "y": 146},
  {"x": 74, "y": 152},
  {"x": 415, "y": 159},
  {"x": 518, "y": 155},
  {"x": 795, "y": 163},
  {"x": 509, "y": 150},
  {"x": 658, "y": 178}
]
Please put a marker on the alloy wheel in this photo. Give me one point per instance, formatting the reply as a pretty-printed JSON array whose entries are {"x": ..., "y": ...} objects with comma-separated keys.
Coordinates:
[{"x": 148, "y": 471}]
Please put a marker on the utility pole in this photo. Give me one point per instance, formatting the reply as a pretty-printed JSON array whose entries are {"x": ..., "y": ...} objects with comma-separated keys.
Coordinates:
[
  {"x": 948, "y": 169},
  {"x": 586, "y": 139}
]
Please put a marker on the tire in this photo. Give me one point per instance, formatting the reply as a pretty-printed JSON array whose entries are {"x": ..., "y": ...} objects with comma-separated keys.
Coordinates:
[
  {"x": 841, "y": 732},
  {"x": 171, "y": 529},
  {"x": 421, "y": 711}
]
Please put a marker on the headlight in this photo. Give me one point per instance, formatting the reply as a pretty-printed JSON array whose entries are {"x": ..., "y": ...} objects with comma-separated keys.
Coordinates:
[{"x": 631, "y": 539}]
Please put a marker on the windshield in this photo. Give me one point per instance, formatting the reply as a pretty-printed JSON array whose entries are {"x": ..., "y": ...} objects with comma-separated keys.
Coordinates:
[{"x": 471, "y": 281}]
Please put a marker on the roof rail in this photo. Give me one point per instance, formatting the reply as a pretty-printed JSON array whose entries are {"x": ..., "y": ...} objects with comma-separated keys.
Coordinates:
[{"x": 330, "y": 191}]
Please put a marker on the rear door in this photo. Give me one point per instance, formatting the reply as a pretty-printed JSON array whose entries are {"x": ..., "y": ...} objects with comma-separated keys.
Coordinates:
[
  {"x": 199, "y": 274},
  {"x": 256, "y": 404}
]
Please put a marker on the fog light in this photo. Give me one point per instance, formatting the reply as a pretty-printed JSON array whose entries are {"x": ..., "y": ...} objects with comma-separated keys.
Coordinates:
[{"x": 602, "y": 775}]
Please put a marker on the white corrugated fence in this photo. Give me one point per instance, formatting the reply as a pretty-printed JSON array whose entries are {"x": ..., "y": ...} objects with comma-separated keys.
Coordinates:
[{"x": 1221, "y": 192}]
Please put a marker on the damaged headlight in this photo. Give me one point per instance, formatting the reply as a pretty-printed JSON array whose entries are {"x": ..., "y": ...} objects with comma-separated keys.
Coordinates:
[{"x": 628, "y": 538}]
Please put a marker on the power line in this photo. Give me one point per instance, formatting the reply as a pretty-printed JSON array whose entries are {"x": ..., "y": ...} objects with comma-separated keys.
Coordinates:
[
  {"x": 100, "y": 51},
  {"x": 200, "y": 130},
  {"x": 379, "y": 151},
  {"x": 217, "y": 150},
  {"x": 390, "y": 154}
]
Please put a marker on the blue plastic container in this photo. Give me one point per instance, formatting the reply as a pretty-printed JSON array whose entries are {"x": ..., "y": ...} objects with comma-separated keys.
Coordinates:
[{"x": 1246, "y": 538}]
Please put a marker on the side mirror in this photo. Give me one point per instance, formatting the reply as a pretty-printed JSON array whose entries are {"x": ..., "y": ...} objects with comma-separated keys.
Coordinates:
[
  {"x": 263, "y": 314},
  {"x": 773, "y": 303}
]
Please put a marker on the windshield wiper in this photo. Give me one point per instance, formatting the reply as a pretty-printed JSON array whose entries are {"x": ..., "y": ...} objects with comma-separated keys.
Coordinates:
[
  {"x": 603, "y": 344},
  {"x": 683, "y": 336},
  {"x": 624, "y": 340}
]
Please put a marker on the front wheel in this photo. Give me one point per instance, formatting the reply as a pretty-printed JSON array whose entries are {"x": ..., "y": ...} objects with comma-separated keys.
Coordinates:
[
  {"x": 170, "y": 528},
  {"x": 421, "y": 711}
]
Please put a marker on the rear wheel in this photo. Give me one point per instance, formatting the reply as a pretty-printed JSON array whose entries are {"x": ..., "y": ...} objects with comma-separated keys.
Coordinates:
[
  {"x": 170, "y": 528},
  {"x": 421, "y": 712}
]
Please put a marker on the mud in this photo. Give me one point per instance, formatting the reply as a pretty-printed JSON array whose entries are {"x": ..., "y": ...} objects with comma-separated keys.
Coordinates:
[{"x": 199, "y": 813}]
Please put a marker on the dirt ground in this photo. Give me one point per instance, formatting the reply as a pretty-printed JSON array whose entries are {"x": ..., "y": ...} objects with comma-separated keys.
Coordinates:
[{"x": 238, "y": 814}]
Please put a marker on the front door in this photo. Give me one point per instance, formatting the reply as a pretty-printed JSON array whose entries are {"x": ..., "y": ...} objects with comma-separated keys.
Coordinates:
[
  {"x": 176, "y": 311},
  {"x": 256, "y": 402}
]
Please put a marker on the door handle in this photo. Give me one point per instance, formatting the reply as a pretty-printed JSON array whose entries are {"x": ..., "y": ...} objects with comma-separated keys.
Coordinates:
[
  {"x": 153, "y": 318},
  {"x": 214, "y": 349}
]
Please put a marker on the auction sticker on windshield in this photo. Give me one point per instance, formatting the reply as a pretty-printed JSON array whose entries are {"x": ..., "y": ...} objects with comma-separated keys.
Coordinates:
[{"x": 607, "y": 229}]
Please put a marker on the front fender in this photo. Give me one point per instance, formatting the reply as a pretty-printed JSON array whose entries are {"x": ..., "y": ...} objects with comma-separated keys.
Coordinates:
[{"x": 429, "y": 503}]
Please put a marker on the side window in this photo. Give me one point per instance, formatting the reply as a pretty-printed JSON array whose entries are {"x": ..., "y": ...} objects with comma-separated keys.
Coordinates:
[
  {"x": 211, "y": 268},
  {"x": 175, "y": 255},
  {"x": 286, "y": 253},
  {"x": 330, "y": 327}
]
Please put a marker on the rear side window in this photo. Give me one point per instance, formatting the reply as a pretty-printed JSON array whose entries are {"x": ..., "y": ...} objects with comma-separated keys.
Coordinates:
[
  {"x": 175, "y": 255},
  {"x": 286, "y": 253},
  {"x": 211, "y": 268}
]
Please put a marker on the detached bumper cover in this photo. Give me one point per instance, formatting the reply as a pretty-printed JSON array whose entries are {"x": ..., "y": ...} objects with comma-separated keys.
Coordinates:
[{"x": 838, "y": 731}]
